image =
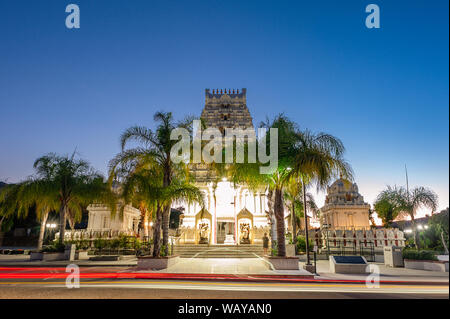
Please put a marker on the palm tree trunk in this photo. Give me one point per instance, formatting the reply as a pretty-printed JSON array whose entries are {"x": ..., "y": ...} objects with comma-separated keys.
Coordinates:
[
  {"x": 165, "y": 228},
  {"x": 1, "y": 232},
  {"x": 413, "y": 223},
  {"x": 273, "y": 231},
  {"x": 294, "y": 227},
  {"x": 145, "y": 223},
  {"x": 279, "y": 215},
  {"x": 166, "y": 210},
  {"x": 42, "y": 231},
  {"x": 62, "y": 223},
  {"x": 157, "y": 234},
  {"x": 305, "y": 213},
  {"x": 442, "y": 239}
]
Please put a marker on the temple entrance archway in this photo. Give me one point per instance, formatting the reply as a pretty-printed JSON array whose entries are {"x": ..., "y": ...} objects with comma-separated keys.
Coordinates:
[{"x": 225, "y": 233}]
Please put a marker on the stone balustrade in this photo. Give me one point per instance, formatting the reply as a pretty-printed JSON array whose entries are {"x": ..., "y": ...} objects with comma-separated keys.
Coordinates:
[
  {"x": 87, "y": 234},
  {"x": 357, "y": 238}
]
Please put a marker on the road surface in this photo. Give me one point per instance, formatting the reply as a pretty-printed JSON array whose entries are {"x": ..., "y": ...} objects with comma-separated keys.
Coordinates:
[{"x": 101, "y": 282}]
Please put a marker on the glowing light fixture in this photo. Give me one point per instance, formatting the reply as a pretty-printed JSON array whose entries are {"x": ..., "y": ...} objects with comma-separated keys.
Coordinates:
[{"x": 408, "y": 231}]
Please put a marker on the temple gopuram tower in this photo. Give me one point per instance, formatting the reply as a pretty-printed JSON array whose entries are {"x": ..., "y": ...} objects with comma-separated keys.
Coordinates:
[{"x": 226, "y": 109}]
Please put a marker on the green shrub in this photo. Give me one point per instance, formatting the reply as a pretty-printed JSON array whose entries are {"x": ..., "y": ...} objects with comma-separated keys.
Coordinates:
[
  {"x": 289, "y": 238},
  {"x": 100, "y": 243},
  {"x": 115, "y": 243},
  {"x": 56, "y": 247},
  {"x": 83, "y": 244},
  {"x": 123, "y": 242},
  {"x": 413, "y": 254},
  {"x": 301, "y": 244},
  {"x": 162, "y": 251}
]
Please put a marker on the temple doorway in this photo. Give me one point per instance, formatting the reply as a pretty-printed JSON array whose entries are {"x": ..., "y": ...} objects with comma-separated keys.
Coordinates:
[{"x": 225, "y": 233}]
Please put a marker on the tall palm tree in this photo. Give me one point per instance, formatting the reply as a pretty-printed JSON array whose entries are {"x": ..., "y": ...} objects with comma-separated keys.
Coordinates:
[
  {"x": 407, "y": 202},
  {"x": 43, "y": 204},
  {"x": 294, "y": 198},
  {"x": 318, "y": 159},
  {"x": 61, "y": 183},
  {"x": 249, "y": 173},
  {"x": 18, "y": 199},
  {"x": 147, "y": 186},
  {"x": 8, "y": 206},
  {"x": 70, "y": 182},
  {"x": 154, "y": 153}
]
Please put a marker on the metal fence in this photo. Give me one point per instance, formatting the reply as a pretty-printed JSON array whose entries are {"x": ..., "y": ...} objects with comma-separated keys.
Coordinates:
[{"x": 350, "y": 248}]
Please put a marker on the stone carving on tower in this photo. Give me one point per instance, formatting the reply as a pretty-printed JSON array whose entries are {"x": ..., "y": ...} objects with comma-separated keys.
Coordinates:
[{"x": 226, "y": 109}]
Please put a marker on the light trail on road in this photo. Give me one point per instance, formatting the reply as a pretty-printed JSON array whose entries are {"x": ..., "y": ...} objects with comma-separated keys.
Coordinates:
[{"x": 234, "y": 286}]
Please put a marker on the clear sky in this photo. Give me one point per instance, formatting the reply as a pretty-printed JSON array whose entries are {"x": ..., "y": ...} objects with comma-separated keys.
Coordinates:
[{"x": 384, "y": 91}]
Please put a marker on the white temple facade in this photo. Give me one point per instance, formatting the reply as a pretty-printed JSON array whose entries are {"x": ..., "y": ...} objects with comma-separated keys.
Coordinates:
[
  {"x": 100, "y": 219},
  {"x": 232, "y": 215}
]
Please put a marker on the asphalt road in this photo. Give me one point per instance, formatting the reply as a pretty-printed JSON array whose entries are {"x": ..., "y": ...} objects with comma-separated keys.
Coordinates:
[
  {"x": 118, "y": 282},
  {"x": 181, "y": 289}
]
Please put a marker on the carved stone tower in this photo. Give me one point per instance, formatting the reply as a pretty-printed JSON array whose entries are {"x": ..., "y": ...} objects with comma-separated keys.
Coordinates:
[{"x": 226, "y": 109}]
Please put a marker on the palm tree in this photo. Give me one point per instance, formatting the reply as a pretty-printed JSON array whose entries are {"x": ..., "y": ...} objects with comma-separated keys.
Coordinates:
[
  {"x": 8, "y": 206},
  {"x": 67, "y": 183},
  {"x": 154, "y": 153},
  {"x": 407, "y": 202},
  {"x": 294, "y": 197},
  {"x": 386, "y": 207},
  {"x": 16, "y": 199},
  {"x": 274, "y": 183},
  {"x": 43, "y": 204},
  {"x": 147, "y": 187},
  {"x": 318, "y": 159}
]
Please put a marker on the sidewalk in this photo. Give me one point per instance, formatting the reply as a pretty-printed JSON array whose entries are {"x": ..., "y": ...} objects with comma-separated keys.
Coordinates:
[
  {"x": 24, "y": 261},
  {"x": 232, "y": 266},
  {"x": 386, "y": 274},
  {"x": 236, "y": 267}
]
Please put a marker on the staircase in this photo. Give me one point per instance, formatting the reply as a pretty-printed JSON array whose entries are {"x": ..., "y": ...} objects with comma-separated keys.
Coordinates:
[{"x": 218, "y": 251}]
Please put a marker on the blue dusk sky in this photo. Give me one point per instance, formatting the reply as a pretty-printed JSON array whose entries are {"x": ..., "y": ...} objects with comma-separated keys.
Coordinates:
[{"x": 384, "y": 92}]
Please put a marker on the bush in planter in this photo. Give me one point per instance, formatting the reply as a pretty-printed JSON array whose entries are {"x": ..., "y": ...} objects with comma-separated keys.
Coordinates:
[
  {"x": 100, "y": 243},
  {"x": 83, "y": 244},
  {"x": 289, "y": 238},
  {"x": 55, "y": 248},
  {"x": 123, "y": 242},
  {"x": 301, "y": 244},
  {"x": 115, "y": 243},
  {"x": 412, "y": 254}
]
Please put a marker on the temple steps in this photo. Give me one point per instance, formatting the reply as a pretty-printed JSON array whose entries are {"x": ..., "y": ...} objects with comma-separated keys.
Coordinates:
[{"x": 218, "y": 251}]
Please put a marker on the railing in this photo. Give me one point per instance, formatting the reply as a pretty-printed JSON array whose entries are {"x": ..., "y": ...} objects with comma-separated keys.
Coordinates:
[{"x": 350, "y": 248}]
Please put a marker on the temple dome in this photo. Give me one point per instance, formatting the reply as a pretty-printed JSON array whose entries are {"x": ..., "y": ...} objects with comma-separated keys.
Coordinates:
[{"x": 343, "y": 191}]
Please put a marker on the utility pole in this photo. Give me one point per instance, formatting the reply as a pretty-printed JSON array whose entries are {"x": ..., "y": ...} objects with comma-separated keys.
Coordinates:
[{"x": 407, "y": 184}]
